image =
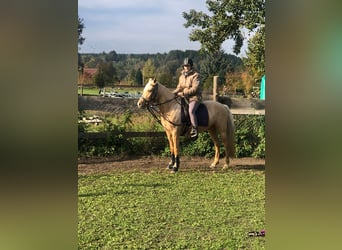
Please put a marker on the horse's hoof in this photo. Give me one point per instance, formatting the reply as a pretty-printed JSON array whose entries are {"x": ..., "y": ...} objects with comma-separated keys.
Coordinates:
[
  {"x": 170, "y": 166},
  {"x": 226, "y": 166},
  {"x": 174, "y": 170},
  {"x": 213, "y": 165}
]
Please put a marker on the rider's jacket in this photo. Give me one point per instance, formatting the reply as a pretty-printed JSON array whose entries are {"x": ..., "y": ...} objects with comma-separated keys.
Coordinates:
[{"x": 189, "y": 84}]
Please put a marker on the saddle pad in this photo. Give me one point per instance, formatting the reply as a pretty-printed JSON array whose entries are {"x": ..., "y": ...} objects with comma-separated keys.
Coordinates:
[{"x": 201, "y": 114}]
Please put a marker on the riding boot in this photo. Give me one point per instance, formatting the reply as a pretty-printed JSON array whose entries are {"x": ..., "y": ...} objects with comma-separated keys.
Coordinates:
[{"x": 194, "y": 132}]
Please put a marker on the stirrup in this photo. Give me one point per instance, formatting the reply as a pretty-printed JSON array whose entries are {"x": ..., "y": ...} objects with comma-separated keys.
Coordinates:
[{"x": 193, "y": 133}]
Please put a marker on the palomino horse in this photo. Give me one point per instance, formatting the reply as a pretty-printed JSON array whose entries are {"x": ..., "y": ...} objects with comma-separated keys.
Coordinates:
[{"x": 220, "y": 121}]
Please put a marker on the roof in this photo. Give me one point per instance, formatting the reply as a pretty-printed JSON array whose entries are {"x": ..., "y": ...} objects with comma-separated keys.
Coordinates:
[{"x": 89, "y": 71}]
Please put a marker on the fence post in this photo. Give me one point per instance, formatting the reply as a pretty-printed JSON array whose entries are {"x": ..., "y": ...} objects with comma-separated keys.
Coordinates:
[{"x": 215, "y": 91}]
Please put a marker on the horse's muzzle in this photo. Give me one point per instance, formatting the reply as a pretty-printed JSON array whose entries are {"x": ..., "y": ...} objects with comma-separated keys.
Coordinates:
[{"x": 141, "y": 103}]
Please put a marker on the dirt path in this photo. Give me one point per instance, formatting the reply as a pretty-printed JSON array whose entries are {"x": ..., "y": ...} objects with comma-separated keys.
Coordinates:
[{"x": 152, "y": 163}]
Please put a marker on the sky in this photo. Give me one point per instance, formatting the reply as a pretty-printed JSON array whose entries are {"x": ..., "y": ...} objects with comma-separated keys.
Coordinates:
[{"x": 139, "y": 26}]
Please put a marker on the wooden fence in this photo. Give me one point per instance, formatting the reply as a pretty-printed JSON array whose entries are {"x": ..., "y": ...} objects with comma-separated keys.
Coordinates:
[{"x": 102, "y": 135}]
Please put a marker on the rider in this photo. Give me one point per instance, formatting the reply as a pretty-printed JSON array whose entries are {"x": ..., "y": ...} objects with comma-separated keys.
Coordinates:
[{"x": 189, "y": 87}]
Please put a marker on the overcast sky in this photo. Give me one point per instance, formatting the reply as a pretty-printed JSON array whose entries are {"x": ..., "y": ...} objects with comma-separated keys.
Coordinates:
[{"x": 138, "y": 26}]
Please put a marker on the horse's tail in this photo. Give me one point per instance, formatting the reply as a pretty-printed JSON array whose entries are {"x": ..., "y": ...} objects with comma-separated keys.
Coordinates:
[{"x": 230, "y": 133}]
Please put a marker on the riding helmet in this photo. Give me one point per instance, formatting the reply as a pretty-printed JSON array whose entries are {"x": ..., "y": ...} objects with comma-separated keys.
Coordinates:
[{"x": 188, "y": 61}]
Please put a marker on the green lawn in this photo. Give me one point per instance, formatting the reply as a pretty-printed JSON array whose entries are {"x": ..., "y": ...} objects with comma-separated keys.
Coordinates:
[
  {"x": 95, "y": 90},
  {"x": 89, "y": 91},
  {"x": 158, "y": 210}
]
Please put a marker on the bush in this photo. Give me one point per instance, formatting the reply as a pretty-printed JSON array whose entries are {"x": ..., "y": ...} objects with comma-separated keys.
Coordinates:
[
  {"x": 203, "y": 146},
  {"x": 118, "y": 144},
  {"x": 111, "y": 144},
  {"x": 249, "y": 140},
  {"x": 250, "y": 136}
]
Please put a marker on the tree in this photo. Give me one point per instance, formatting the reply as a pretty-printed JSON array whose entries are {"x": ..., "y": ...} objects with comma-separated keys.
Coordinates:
[
  {"x": 134, "y": 77},
  {"x": 255, "y": 61},
  {"x": 229, "y": 20},
  {"x": 80, "y": 28},
  {"x": 99, "y": 79},
  {"x": 111, "y": 56},
  {"x": 106, "y": 72},
  {"x": 218, "y": 64},
  {"x": 175, "y": 55},
  {"x": 165, "y": 77},
  {"x": 165, "y": 67},
  {"x": 139, "y": 78},
  {"x": 149, "y": 70},
  {"x": 81, "y": 39}
]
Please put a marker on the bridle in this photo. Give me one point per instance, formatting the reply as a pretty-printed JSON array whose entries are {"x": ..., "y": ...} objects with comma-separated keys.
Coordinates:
[
  {"x": 153, "y": 95},
  {"x": 152, "y": 107}
]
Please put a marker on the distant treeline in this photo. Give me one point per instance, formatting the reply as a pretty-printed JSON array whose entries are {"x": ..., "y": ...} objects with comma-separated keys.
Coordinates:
[{"x": 135, "y": 69}]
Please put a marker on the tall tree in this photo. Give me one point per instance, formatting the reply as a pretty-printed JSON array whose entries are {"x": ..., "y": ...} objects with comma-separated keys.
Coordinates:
[
  {"x": 99, "y": 79},
  {"x": 149, "y": 70},
  {"x": 111, "y": 56},
  {"x": 165, "y": 77},
  {"x": 229, "y": 20},
  {"x": 139, "y": 77},
  {"x": 81, "y": 39},
  {"x": 80, "y": 28},
  {"x": 107, "y": 72},
  {"x": 255, "y": 60},
  {"x": 218, "y": 64}
]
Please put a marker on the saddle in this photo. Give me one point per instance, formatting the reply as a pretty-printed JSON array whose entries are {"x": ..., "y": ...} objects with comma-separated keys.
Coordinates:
[{"x": 201, "y": 114}]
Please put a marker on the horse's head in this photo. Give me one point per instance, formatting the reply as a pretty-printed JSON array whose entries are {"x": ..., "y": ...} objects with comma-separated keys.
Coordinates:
[{"x": 149, "y": 93}]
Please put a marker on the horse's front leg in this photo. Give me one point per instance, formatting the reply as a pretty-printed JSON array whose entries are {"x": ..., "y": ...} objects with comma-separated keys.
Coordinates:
[
  {"x": 173, "y": 158},
  {"x": 175, "y": 142},
  {"x": 171, "y": 162}
]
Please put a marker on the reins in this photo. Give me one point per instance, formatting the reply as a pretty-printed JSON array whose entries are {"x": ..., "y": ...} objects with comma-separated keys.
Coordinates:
[{"x": 153, "y": 110}]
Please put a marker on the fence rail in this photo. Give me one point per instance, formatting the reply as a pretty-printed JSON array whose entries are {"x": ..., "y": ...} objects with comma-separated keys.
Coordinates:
[
  {"x": 102, "y": 135},
  {"x": 248, "y": 111}
]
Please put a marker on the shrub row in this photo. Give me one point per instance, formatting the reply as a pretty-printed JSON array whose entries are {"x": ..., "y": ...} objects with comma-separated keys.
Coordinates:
[{"x": 249, "y": 141}]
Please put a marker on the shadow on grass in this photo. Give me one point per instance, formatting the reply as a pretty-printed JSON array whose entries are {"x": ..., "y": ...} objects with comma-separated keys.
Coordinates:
[
  {"x": 148, "y": 185},
  {"x": 123, "y": 192},
  {"x": 92, "y": 194},
  {"x": 258, "y": 167},
  {"x": 219, "y": 169},
  {"x": 104, "y": 159}
]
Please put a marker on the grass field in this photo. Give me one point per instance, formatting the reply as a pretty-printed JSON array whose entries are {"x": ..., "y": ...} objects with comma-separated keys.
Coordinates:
[
  {"x": 157, "y": 210},
  {"x": 95, "y": 90},
  {"x": 89, "y": 91}
]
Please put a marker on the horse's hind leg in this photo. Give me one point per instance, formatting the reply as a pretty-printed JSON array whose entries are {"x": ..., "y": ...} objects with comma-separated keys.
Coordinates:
[
  {"x": 175, "y": 140},
  {"x": 214, "y": 137},
  {"x": 226, "y": 150}
]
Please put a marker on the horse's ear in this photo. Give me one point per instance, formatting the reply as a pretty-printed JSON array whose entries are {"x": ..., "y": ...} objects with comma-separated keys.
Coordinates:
[{"x": 154, "y": 79}]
